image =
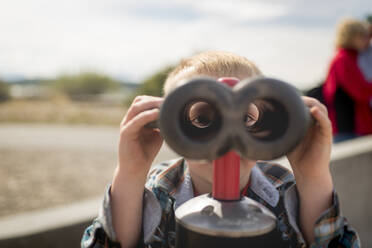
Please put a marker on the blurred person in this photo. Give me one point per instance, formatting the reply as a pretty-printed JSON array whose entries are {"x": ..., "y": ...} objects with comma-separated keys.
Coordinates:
[
  {"x": 347, "y": 94},
  {"x": 365, "y": 57}
]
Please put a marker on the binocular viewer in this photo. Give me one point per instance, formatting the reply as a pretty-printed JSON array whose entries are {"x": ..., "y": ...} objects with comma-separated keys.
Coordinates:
[
  {"x": 204, "y": 119},
  {"x": 260, "y": 118}
]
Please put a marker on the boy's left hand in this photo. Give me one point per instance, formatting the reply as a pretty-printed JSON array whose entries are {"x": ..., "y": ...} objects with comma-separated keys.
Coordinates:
[
  {"x": 310, "y": 163},
  {"x": 310, "y": 159}
]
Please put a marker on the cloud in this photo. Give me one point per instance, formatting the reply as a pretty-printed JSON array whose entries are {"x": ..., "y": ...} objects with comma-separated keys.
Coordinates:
[
  {"x": 183, "y": 10},
  {"x": 320, "y": 13},
  {"x": 291, "y": 40},
  {"x": 237, "y": 10},
  {"x": 164, "y": 11}
]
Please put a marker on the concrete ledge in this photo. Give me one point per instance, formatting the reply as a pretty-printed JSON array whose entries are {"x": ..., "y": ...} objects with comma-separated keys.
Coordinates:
[
  {"x": 352, "y": 148},
  {"x": 63, "y": 237},
  {"x": 351, "y": 168},
  {"x": 63, "y": 226},
  {"x": 57, "y": 227}
]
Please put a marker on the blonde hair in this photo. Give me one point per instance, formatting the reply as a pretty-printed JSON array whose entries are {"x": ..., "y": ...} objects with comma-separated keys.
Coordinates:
[
  {"x": 214, "y": 64},
  {"x": 347, "y": 30}
]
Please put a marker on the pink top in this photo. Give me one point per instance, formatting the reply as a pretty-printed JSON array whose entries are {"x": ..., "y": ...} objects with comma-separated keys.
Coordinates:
[{"x": 345, "y": 73}]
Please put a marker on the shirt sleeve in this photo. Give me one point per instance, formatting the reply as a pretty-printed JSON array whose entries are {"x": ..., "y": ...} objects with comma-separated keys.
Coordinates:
[
  {"x": 331, "y": 228},
  {"x": 95, "y": 237},
  {"x": 101, "y": 233}
]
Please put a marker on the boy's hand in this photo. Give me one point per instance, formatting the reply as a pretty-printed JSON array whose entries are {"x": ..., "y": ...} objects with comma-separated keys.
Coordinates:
[
  {"x": 311, "y": 158},
  {"x": 310, "y": 163},
  {"x": 139, "y": 145}
]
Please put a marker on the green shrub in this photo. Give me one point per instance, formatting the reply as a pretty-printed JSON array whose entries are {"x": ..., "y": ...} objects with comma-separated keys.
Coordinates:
[
  {"x": 87, "y": 83},
  {"x": 151, "y": 86},
  {"x": 369, "y": 18},
  {"x": 4, "y": 91}
]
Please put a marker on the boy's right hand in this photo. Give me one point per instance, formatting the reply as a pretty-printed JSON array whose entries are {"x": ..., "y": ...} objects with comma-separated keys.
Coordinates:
[{"x": 139, "y": 145}]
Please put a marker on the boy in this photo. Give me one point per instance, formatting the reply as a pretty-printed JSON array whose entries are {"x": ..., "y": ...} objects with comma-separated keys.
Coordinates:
[{"x": 137, "y": 215}]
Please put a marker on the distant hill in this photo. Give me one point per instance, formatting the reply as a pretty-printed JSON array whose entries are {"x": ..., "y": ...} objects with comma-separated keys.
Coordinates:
[
  {"x": 130, "y": 85},
  {"x": 30, "y": 81},
  {"x": 25, "y": 81}
]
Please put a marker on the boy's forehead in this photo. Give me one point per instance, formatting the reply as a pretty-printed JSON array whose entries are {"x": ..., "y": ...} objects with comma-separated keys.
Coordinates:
[
  {"x": 179, "y": 81},
  {"x": 191, "y": 72},
  {"x": 229, "y": 80}
]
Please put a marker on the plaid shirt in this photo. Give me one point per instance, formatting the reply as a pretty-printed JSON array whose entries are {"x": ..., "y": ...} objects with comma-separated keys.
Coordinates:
[{"x": 169, "y": 185}]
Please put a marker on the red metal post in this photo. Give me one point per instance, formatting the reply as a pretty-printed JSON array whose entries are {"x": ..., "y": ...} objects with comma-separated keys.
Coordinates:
[
  {"x": 226, "y": 173},
  {"x": 226, "y": 169}
]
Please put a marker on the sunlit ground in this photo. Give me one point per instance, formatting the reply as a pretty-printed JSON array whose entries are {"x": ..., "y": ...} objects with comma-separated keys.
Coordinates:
[{"x": 60, "y": 111}]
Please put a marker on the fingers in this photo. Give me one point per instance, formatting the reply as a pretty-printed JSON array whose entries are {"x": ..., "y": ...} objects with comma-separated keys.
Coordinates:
[
  {"x": 140, "y": 104},
  {"x": 134, "y": 126},
  {"x": 319, "y": 112},
  {"x": 311, "y": 102}
]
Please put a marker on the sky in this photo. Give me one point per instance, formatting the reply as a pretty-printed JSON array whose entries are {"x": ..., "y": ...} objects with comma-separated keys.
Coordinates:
[{"x": 291, "y": 40}]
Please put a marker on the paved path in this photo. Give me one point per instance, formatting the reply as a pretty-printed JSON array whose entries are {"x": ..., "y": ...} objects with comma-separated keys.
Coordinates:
[{"x": 44, "y": 166}]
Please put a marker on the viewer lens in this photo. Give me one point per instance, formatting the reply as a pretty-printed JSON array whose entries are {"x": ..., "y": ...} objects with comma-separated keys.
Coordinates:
[
  {"x": 267, "y": 121},
  {"x": 200, "y": 120},
  {"x": 201, "y": 114}
]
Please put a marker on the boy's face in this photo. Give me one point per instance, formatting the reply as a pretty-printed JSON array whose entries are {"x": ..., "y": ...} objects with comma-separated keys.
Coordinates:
[{"x": 202, "y": 115}]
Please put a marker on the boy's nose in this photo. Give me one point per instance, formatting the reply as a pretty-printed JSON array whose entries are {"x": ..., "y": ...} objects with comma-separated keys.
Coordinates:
[{"x": 230, "y": 81}]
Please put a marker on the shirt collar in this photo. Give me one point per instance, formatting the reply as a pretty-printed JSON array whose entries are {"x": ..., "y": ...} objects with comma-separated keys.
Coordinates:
[
  {"x": 185, "y": 191},
  {"x": 259, "y": 184},
  {"x": 262, "y": 187}
]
